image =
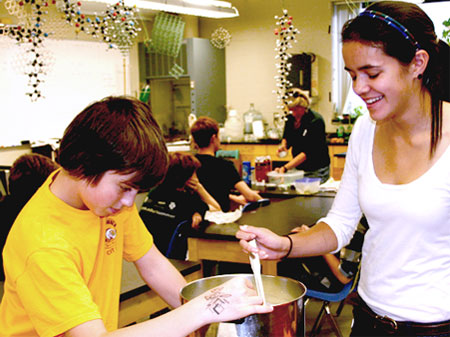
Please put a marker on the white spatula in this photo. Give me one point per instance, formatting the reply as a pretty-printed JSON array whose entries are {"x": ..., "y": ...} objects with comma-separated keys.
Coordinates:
[{"x": 256, "y": 268}]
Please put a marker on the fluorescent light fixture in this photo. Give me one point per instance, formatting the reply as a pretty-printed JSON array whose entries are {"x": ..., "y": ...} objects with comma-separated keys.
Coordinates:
[
  {"x": 216, "y": 3},
  {"x": 206, "y": 8}
]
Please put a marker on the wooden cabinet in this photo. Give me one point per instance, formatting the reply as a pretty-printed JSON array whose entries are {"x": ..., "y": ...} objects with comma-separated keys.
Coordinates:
[
  {"x": 248, "y": 152},
  {"x": 337, "y": 160}
]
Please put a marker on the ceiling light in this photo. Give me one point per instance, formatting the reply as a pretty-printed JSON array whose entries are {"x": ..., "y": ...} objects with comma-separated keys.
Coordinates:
[
  {"x": 216, "y": 3},
  {"x": 204, "y": 8}
]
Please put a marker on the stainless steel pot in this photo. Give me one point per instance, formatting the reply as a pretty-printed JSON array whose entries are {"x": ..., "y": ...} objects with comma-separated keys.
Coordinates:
[{"x": 285, "y": 294}]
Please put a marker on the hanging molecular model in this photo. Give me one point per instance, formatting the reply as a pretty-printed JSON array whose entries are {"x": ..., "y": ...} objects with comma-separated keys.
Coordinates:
[
  {"x": 220, "y": 38},
  {"x": 286, "y": 33},
  {"x": 72, "y": 14},
  {"x": 30, "y": 34},
  {"x": 118, "y": 27},
  {"x": 167, "y": 37}
]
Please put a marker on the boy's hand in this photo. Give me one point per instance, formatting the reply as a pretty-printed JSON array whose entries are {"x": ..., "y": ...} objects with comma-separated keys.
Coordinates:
[
  {"x": 239, "y": 199},
  {"x": 232, "y": 300}
]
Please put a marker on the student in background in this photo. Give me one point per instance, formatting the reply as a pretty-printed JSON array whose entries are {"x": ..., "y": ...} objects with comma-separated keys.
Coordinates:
[
  {"x": 218, "y": 175},
  {"x": 396, "y": 173},
  {"x": 63, "y": 257},
  {"x": 304, "y": 132},
  {"x": 178, "y": 198},
  {"x": 26, "y": 175}
]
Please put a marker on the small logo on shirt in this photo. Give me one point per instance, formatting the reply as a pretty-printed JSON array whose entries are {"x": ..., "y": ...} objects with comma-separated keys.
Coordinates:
[{"x": 110, "y": 236}]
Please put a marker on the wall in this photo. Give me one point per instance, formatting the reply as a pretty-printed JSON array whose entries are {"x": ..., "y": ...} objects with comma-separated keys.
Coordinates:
[
  {"x": 83, "y": 69},
  {"x": 250, "y": 57}
]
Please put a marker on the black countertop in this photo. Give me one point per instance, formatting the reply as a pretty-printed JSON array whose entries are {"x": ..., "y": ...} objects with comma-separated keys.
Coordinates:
[
  {"x": 281, "y": 217},
  {"x": 278, "y": 141}
]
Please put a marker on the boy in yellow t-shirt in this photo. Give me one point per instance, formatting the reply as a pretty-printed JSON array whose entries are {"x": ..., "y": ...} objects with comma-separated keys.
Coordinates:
[{"x": 63, "y": 256}]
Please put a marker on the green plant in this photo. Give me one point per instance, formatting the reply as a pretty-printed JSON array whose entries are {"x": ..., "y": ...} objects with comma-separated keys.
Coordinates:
[{"x": 446, "y": 32}]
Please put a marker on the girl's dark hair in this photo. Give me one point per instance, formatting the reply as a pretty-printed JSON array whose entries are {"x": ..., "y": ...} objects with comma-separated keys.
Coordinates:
[
  {"x": 28, "y": 173},
  {"x": 118, "y": 134},
  {"x": 379, "y": 34},
  {"x": 181, "y": 167}
]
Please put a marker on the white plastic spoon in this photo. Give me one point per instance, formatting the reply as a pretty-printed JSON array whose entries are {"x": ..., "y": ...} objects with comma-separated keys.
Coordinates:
[{"x": 256, "y": 268}]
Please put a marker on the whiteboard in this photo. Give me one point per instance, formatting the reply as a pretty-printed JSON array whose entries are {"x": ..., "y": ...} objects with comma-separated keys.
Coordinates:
[{"x": 80, "y": 73}]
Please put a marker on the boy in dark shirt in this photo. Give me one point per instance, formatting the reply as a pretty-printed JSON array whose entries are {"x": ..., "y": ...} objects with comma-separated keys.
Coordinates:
[{"x": 218, "y": 175}]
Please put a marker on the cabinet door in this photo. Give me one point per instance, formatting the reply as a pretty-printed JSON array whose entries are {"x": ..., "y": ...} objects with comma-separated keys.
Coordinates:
[
  {"x": 337, "y": 160},
  {"x": 248, "y": 152}
]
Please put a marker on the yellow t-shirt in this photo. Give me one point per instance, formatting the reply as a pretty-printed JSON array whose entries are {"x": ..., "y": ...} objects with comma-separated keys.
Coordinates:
[{"x": 63, "y": 266}]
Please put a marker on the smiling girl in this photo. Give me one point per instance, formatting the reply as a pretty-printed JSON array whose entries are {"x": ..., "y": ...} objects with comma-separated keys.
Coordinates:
[{"x": 397, "y": 173}]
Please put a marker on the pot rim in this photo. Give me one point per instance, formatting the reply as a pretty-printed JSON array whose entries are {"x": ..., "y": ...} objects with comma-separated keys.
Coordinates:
[{"x": 229, "y": 276}]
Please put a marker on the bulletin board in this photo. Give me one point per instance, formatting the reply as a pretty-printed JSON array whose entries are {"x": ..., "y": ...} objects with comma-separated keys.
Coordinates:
[{"x": 80, "y": 72}]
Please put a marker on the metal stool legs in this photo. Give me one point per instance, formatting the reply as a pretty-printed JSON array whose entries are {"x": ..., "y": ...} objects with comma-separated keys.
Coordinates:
[{"x": 325, "y": 311}]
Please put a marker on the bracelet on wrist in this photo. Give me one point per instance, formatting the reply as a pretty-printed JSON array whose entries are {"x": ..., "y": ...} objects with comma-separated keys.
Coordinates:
[{"x": 290, "y": 248}]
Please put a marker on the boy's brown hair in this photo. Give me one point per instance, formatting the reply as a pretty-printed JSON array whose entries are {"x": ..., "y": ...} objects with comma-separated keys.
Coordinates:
[
  {"x": 182, "y": 166},
  {"x": 118, "y": 134},
  {"x": 202, "y": 131}
]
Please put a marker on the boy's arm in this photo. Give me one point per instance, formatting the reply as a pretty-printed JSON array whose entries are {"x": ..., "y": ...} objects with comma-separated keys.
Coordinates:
[
  {"x": 237, "y": 299},
  {"x": 161, "y": 276},
  {"x": 247, "y": 192}
]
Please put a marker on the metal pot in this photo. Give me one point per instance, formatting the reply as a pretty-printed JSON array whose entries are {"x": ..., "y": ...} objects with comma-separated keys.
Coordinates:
[{"x": 284, "y": 294}]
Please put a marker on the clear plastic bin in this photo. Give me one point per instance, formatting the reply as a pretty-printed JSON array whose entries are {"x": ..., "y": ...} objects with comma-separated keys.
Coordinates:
[
  {"x": 287, "y": 178},
  {"x": 307, "y": 185}
]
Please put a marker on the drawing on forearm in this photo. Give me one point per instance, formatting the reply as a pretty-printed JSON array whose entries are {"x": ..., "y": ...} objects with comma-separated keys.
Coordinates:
[{"x": 217, "y": 300}]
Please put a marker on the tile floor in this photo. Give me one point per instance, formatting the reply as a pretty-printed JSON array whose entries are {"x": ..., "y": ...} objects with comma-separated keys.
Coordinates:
[{"x": 344, "y": 320}]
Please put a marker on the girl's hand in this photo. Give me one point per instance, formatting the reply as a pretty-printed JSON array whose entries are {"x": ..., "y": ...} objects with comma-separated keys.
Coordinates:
[
  {"x": 196, "y": 219},
  {"x": 193, "y": 182},
  {"x": 282, "y": 148},
  {"x": 270, "y": 245},
  {"x": 301, "y": 229}
]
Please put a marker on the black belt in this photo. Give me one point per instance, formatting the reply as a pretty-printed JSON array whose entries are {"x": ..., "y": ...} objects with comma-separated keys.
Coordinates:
[{"x": 392, "y": 326}]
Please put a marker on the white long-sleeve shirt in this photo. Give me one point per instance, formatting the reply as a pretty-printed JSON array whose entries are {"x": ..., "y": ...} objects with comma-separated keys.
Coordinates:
[{"x": 405, "y": 270}]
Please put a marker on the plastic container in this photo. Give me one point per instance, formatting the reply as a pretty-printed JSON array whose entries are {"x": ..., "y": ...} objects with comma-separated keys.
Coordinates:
[
  {"x": 258, "y": 125},
  {"x": 253, "y": 124},
  {"x": 288, "y": 177},
  {"x": 233, "y": 126},
  {"x": 307, "y": 185},
  {"x": 248, "y": 123},
  {"x": 247, "y": 172},
  {"x": 263, "y": 165}
]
